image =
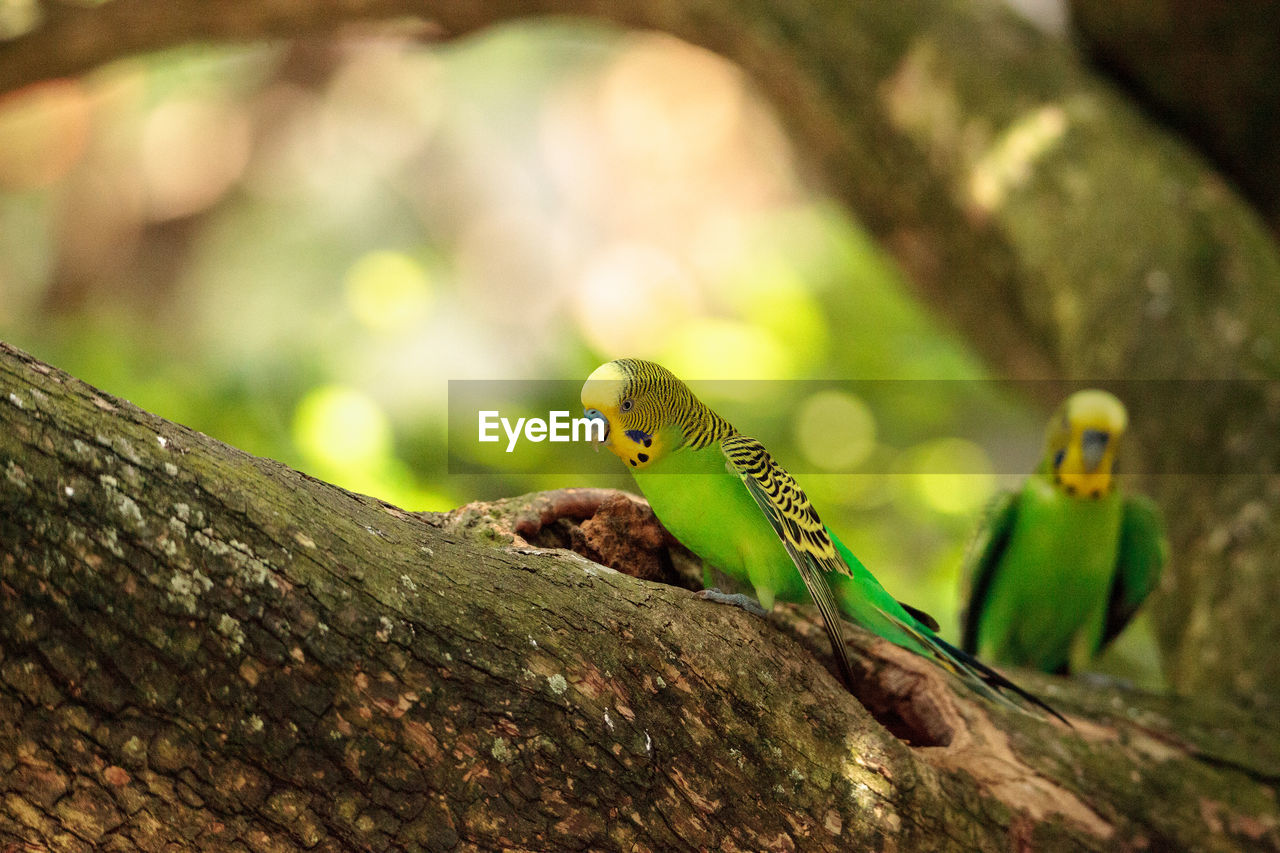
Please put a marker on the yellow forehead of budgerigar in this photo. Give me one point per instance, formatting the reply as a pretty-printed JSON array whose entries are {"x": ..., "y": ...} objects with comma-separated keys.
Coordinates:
[
  {"x": 610, "y": 371},
  {"x": 604, "y": 386},
  {"x": 1096, "y": 409}
]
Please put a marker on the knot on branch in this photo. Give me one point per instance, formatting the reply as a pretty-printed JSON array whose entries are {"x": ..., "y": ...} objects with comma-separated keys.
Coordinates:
[{"x": 612, "y": 528}]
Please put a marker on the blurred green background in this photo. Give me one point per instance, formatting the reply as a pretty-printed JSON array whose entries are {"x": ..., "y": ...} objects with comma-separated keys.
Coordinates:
[{"x": 294, "y": 248}]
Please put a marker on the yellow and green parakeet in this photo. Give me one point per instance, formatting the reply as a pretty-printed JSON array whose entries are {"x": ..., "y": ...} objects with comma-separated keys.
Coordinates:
[
  {"x": 725, "y": 498},
  {"x": 1060, "y": 567}
]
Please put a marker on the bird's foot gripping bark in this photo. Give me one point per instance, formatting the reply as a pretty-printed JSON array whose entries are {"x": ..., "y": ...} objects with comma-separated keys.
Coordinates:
[{"x": 734, "y": 599}]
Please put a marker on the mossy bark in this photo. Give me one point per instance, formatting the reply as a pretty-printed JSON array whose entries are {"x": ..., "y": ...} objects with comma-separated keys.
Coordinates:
[
  {"x": 1207, "y": 69},
  {"x": 1039, "y": 210},
  {"x": 202, "y": 650}
]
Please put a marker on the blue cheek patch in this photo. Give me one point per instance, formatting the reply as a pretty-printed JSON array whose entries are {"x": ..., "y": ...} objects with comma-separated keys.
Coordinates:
[{"x": 639, "y": 436}]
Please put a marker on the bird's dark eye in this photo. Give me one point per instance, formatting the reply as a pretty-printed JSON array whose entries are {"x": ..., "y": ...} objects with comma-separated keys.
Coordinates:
[
  {"x": 627, "y": 405},
  {"x": 1058, "y": 457}
]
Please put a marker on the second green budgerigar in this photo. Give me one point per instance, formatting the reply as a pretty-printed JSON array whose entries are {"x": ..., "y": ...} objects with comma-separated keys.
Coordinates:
[
  {"x": 725, "y": 498},
  {"x": 1058, "y": 568}
]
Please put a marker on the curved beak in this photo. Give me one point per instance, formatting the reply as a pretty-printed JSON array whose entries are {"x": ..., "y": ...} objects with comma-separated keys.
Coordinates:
[
  {"x": 1093, "y": 444},
  {"x": 597, "y": 415}
]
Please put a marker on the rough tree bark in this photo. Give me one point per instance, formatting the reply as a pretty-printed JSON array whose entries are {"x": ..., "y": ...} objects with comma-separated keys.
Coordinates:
[
  {"x": 1039, "y": 211},
  {"x": 1207, "y": 68},
  {"x": 204, "y": 650}
]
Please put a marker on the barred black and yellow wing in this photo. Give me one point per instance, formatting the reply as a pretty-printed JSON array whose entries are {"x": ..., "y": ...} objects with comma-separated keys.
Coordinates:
[{"x": 798, "y": 527}]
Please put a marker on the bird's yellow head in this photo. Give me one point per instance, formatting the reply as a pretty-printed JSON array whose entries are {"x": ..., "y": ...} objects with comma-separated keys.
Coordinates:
[
  {"x": 1082, "y": 442},
  {"x": 636, "y": 400}
]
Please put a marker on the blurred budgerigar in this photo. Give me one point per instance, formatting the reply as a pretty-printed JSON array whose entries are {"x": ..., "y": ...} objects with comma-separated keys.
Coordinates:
[
  {"x": 1059, "y": 568},
  {"x": 722, "y": 494}
]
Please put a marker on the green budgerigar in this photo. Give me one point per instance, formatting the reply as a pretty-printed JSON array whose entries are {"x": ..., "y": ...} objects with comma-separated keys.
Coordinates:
[
  {"x": 726, "y": 499},
  {"x": 1058, "y": 568}
]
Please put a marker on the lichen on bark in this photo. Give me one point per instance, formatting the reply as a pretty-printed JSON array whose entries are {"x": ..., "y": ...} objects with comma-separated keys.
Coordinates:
[
  {"x": 206, "y": 650},
  {"x": 1043, "y": 214}
]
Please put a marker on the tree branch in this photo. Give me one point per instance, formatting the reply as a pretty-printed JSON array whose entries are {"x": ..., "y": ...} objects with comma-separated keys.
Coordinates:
[
  {"x": 1207, "y": 69},
  {"x": 204, "y": 649}
]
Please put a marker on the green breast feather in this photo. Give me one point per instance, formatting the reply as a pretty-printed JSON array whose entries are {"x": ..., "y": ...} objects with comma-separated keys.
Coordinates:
[{"x": 1058, "y": 568}]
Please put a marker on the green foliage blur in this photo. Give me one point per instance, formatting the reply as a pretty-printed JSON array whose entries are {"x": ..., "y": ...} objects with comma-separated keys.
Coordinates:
[{"x": 294, "y": 248}]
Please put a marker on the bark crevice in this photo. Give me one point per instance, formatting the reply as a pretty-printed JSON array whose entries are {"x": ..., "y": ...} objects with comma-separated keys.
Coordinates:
[{"x": 314, "y": 669}]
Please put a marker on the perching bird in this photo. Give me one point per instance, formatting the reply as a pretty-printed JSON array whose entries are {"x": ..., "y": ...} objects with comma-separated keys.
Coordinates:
[
  {"x": 1060, "y": 567},
  {"x": 724, "y": 497}
]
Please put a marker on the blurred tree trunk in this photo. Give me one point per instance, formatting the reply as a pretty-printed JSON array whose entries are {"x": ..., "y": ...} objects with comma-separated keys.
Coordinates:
[
  {"x": 1210, "y": 69},
  {"x": 201, "y": 650},
  {"x": 1040, "y": 211}
]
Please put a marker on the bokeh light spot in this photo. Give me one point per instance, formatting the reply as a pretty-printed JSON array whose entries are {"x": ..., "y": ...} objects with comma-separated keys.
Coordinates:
[
  {"x": 632, "y": 299},
  {"x": 664, "y": 101},
  {"x": 716, "y": 348},
  {"x": 951, "y": 475},
  {"x": 768, "y": 291},
  {"x": 193, "y": 150},
  {"x": 835, "y": 430},
  {"x": 341, "y": 429},
  {"x": 388, "y": 291},
  {"x": 19, "y": 17}
]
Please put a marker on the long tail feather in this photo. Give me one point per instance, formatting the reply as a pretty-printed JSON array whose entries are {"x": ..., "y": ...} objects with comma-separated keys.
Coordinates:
[
  {"x": 994, "y": 679},
  {"x": 974, "y": 672}
]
